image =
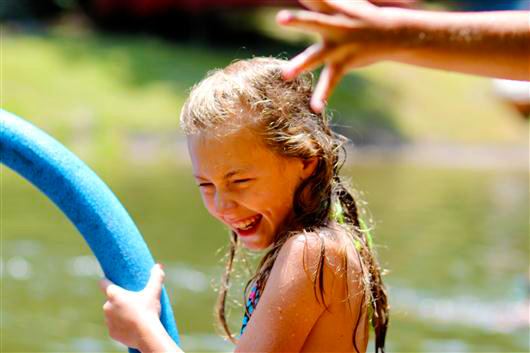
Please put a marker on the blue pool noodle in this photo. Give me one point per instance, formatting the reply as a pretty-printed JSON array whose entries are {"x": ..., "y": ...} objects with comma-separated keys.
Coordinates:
[{"x": 86, "y": 201}]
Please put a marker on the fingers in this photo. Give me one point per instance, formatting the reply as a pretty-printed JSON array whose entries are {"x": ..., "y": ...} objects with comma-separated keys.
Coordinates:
[
  {"x": 395, "y": 3},
  {"x": 330, "y": 76},
  {"x": 104, "y": 285},
  {"x": 305, "y": 21},
  {"x": 331, "y": 27},
  {"x": 329, "y": 8},
  {"x": 319, "y": 6},
  {"x": 108, "y": 288},
  {"x": 154, "y": 285},
  {"x": 353, "y": 8},
  {"x": 307, "y": 60}
]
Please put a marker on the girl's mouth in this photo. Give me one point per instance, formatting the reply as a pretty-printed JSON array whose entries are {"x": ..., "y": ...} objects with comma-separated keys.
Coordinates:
[{"x": 248, "y": 226}]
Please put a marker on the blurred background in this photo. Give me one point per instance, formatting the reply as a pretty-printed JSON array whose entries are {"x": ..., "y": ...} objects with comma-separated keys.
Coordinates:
[{"x": 439, "y": 159}]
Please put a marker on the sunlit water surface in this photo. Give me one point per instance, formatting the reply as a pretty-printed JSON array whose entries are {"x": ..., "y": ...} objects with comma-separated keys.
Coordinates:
[{"x": 455, "y": 243}]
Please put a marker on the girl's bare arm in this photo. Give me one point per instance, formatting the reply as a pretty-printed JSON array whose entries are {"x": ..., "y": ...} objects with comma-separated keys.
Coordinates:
[
  {"x": 154, "y": 339},
  {"x": 287, "y": 309},
  {"x": 291, "y": 305}
]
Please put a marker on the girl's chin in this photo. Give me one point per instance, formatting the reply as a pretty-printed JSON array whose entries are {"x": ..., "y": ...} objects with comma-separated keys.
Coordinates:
[
  {"x": 254, "y": 243},
  {"x": 254, "y": 249}
]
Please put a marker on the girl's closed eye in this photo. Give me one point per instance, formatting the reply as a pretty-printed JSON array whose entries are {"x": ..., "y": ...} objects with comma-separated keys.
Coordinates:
[
  {"x": 238, "y": 181},
  {"x": 243, "y": 182}
]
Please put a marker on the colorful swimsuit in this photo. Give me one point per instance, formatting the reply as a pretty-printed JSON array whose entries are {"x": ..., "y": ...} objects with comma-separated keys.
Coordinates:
[{"x": 252, "y": 301}]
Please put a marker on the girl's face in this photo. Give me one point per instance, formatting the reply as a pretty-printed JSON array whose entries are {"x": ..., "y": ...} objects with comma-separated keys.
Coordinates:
[{"x": 245, "y": 185}]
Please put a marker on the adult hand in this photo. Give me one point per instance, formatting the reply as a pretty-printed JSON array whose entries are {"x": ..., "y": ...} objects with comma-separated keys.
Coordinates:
[
  {"x": 353, "y": 33},
  {"x": 323, "y": 6},
  {"x": 129, "y": 315}
]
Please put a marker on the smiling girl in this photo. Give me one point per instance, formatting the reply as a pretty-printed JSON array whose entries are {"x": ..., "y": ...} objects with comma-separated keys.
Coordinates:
[{"x": 268, "y": 168}]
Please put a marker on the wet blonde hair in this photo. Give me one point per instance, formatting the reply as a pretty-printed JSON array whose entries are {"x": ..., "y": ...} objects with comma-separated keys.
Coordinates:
[{"x": 252, "y": 93}]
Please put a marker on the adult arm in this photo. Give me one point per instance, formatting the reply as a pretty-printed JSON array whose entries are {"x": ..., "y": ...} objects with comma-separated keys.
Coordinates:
[
  {"x": 495, "y": 44},
  {"x": 358, "y": 33}
]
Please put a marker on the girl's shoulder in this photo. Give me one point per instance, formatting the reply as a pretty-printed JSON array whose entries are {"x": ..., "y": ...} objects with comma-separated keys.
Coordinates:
[
  {"x": 331, "y": 246},
  {"x": 302, "y": 284},
  {"x": 327, "y": 257}
]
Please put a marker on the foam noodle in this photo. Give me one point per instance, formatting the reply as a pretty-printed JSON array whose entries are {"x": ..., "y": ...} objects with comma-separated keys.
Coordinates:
[{"x": 86, "y": 201}]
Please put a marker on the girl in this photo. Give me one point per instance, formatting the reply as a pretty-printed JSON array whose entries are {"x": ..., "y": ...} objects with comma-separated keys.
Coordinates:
[{"x": 268, "y": 168}]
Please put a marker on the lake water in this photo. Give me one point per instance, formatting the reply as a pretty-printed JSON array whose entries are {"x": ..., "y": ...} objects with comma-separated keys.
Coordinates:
[{"x": 455, "y": 242}]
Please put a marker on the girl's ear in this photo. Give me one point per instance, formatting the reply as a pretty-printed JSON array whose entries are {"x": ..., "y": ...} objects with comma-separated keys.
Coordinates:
[{"x": 309, "y": 166}]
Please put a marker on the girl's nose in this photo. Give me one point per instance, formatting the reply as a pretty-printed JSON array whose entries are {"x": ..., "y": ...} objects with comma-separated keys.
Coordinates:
[{"x": 223, "y": 203}]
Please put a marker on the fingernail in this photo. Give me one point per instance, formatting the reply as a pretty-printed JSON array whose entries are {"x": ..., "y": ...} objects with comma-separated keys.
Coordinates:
[
  {"x": 284, "y": 16},
  {"x": 317, "y": 106},
  {"x": 287, "y": 73}
]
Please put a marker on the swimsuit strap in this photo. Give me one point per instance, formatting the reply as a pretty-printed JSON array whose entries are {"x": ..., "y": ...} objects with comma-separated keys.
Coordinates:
[
  {"x": 337, "y": 214},
  {"x": 250, "y": 306}
]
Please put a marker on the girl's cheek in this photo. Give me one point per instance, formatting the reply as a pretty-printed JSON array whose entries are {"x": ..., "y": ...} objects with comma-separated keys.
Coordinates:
[{"x": 207, "y": 200}]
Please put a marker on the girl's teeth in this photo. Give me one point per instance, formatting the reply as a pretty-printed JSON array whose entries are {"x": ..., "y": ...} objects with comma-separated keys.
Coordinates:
[{"x": 247, "y": 224}]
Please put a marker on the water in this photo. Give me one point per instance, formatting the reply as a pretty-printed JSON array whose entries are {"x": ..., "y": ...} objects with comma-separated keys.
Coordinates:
[{"x": 455, "y": 243}]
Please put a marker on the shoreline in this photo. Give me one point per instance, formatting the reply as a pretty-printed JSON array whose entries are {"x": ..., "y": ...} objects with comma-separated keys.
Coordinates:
[{"x": 148, "y": 149}]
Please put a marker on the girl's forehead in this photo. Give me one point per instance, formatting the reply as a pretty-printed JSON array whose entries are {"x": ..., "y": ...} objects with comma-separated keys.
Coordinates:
[
  {"x": 243, "y": 142},
  {"x": 243, "y": 150}
]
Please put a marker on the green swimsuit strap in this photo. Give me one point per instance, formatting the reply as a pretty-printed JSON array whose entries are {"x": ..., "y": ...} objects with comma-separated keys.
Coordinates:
[{"x": 337, "y": 214}]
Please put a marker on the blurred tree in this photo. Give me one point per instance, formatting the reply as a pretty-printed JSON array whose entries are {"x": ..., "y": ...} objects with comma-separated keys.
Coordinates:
[{"x": 33, "y": 9}]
